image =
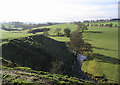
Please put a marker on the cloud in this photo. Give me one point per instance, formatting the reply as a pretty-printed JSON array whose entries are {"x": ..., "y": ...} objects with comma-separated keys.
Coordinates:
[{"x": 55, "y": 10}]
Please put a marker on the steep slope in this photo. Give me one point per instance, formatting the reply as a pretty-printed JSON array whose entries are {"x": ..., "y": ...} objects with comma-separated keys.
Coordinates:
[{"x": 39, "y": 53}]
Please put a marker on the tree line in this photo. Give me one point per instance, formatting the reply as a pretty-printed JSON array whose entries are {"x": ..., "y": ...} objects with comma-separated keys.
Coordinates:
[
  {"x": 77, "y": 44},
  {"x": 103, "y": 25},
  {"x": 24, "y": 26}
]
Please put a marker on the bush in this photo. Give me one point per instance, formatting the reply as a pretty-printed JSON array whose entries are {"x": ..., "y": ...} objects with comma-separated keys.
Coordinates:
[
  {"x": 110, "y": 25},
  {"x": 67, "y": 32}
]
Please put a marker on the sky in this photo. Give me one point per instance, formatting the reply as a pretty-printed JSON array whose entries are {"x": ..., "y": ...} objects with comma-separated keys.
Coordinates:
[{"x": 57, "y": 10}]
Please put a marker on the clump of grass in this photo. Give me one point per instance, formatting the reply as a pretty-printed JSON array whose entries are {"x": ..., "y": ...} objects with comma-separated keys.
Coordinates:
[
  {"x": 52, "y": 78},
  {"x": 5, "y": 75},
  {"x": 22, "y": 68},
  {"x": 21, "y": 81}
]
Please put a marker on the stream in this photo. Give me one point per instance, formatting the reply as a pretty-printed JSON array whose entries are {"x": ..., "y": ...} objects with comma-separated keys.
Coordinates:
[{"x": 76, "y": 68}]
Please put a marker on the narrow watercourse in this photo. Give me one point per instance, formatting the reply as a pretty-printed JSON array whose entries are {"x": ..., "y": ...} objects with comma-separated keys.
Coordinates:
[{"x": 76, "y": 68}]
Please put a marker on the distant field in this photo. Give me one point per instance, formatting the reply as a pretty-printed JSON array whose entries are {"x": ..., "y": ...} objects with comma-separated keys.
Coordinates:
[
  {"x": 72, "y": 27},
  {"x": 105, "y": 45},
  {"x": 17, "y": 34},
  {"x": 14, "y": 34}
]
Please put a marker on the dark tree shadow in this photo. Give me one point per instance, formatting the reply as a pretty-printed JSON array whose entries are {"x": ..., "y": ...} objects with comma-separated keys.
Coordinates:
[
  {"x": 4, "y": 40},
  {"x": 94, "y": 32},
  {"x": 88, "y": 39},
  {"x": 56, "y": 35},
  {"x": 11, "y": 29},
  {"x": 104, "y": 49},
  {"x": 106, "y": 59}
]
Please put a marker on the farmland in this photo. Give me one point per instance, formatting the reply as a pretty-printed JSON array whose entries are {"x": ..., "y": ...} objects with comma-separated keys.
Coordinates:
[
  {"x": 105, "y": 46},
  {"x": 104, "y": 41}
]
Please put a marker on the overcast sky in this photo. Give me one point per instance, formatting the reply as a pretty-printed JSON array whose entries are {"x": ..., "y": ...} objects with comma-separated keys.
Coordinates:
[{"x": 57, "y": 10}]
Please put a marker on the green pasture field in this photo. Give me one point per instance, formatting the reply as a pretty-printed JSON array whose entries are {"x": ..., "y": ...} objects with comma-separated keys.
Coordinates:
[
  {"x": 8, "y": 35},
  {"x": 15, "y": 34},
  {"x": 62, "y": 39},
  {"x": 105, "y": 46},
  {"x": 104, "y": 40},
  {"x": 18, "y": 34},
  {"x": 72, "y": 27}
]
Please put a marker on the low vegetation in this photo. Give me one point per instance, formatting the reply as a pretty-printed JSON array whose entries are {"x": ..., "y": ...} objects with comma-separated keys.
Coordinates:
[{"x": 25, "y": 75}]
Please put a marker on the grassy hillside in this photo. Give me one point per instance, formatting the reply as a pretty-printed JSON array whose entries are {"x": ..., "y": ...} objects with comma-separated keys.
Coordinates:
[
  {"x": 39, "y": 53},
  {"x": 105, "y": 46}
]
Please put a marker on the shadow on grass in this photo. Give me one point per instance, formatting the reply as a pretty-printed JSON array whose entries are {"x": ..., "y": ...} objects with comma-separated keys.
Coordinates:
[
  {"x": 103, "y": 49},
  {"x": 4, "y": 40},
  {"x": 56, "y": 35},
  {"x": 94, "y": 32},
  {"x": 88, "y": 39},
  {"x": 106, "y": 59}
]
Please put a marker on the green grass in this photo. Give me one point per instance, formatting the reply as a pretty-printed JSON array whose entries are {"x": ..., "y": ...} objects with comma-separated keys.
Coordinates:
[
  {"x": 62, "y": 39},
  {"x": 105, "y": 46},
  {"x": 72, "y": 27},
  {"x": 17, "y": 34},
  {"x": 104, "y": 41},
  {"x": 9, "y": 35}
]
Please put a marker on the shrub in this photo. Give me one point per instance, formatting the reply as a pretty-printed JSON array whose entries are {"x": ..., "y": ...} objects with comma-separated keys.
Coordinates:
[{"x": 67, "y": 32}]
